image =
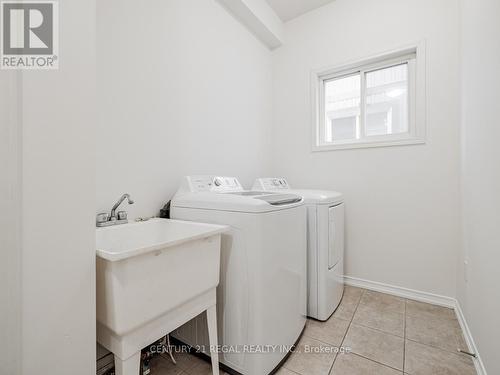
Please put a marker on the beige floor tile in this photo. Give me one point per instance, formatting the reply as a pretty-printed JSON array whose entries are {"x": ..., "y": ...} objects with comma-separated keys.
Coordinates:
[
  {"x": 203, "y": 368},
  {"x": 425, "y": 360},
  {"x": 353, "y": 293},
  {"x": 349, "y": 302},
  {"x": 383, "y": 302},
  {"x": 285, "y": 371},
  {"x": 442, "y": 333},
  {"x": 352, "y": 364},
  {"x": 331, "y": 332},
  {"x": 162, "y": 366},
  {"x": 387, "y": 321},
  {"x": 420, "y": 309},
  {"x": 184, "y": 360},
  {"x": 306, "y": 360},
  {"x": 345, "y": 311},
  {"x": 376, "y": 345}
]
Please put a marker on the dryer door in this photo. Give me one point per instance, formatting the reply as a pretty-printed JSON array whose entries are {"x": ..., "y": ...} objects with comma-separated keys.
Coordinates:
[{"x": 335, "y": 235}]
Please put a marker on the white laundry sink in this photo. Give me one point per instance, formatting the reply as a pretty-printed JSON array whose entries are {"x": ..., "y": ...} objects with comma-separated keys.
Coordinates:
[{"x": 152, "y": 277}]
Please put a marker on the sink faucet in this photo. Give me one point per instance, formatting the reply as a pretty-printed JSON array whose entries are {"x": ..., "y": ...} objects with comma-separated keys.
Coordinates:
[
  {"x": 120, "y": 201},
  {"x": 105, "y": 219}
]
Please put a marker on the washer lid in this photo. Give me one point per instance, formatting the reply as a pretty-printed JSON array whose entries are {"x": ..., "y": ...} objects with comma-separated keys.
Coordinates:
[
  {"x": 238, "y": 201},
  {"x": 319, "y": 196},
  {"x": 280, "y": 199},
  {"x": 227, "y": 194}
]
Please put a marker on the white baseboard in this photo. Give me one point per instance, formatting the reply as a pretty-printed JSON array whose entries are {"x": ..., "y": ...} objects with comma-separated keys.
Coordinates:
[
  {"x": 478, "y": 363},
  {"x": 431, "y": 298},
  {"x": 398, "y": 291}
]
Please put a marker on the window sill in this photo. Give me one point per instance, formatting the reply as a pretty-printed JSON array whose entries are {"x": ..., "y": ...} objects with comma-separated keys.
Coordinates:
[{"x": 354, "y": 145}]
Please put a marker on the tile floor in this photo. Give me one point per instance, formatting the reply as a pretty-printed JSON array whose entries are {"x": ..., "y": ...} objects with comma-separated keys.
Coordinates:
[{"x": 386, "y": 335}]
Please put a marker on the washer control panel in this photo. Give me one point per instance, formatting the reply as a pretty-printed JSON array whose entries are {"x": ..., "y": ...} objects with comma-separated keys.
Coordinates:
[
  {"x": 214, "y": 183},
  {"x": 271, "y": 183}
]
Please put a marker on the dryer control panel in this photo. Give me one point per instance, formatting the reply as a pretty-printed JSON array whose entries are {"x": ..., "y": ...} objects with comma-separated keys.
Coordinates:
[{"x": 270, "y": 183}]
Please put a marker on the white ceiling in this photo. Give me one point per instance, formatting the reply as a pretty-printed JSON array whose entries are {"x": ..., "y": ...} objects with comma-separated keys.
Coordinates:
[{"x": 288, "y": 9}]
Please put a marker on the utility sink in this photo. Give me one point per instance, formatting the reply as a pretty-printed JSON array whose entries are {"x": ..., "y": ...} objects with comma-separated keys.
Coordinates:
[
  {"x": 151, "y": 278},
  {"x": 125, "y": 241}
]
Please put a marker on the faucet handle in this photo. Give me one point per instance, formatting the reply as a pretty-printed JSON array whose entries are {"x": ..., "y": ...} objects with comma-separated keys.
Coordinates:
[
  {"x": 101, "y": 218},
  {"x": 122, "y": 215}
]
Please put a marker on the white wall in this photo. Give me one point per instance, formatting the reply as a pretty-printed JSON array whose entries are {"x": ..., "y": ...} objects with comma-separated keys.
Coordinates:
[
  {"x": 58, "y": 213},
  {"x": 184, "y": 89},
  {"x": 10, "y": 224},
  {"x": 402, "y": 202},
  {"x": 479, "y": 296}
]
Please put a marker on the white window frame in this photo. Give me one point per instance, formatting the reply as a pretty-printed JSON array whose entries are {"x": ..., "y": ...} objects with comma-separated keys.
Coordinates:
[{"x": 414, "y": 55}]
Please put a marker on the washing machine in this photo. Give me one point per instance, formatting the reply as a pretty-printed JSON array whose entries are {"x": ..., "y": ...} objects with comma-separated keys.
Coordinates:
[
  {"x": 325, "y": 245},
  {"x": 262, "y": 295}
]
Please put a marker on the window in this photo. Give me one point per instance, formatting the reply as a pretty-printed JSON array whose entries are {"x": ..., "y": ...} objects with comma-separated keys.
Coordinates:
[{"x": 378, "y": 102}]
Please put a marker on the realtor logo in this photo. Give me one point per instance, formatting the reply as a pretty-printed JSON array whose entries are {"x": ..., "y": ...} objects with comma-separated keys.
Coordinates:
[{"x": 29, "y": 35}]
